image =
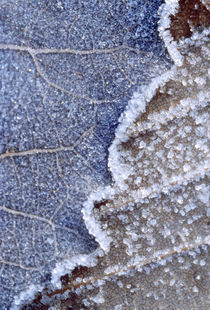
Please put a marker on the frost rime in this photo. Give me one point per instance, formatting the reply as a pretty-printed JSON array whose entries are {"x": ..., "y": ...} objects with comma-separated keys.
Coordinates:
[{"x": 152, "y": 223}]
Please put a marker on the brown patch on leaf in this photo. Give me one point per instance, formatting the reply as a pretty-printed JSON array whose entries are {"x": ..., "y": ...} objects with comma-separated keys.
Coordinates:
[
  {"x": 65, "y": 280},
  {"x": 79, "y": 271},
  {"x": 191, "y": 13},
  {"x": 99, "y": 204},
  {"x": 36, "y": 304}
]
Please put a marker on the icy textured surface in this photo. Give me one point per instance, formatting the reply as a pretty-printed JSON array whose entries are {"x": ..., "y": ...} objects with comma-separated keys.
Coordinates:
[
  {"x": 152, "y": 223},
  {"x": 68, "y": 69}
]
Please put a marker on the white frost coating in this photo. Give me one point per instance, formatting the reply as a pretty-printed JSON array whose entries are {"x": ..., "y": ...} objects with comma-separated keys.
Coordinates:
[
  {"x": 181, "y": 179},
  {"x": 120, "y": 171},
  {"x": 92, "y": 225},
  {"x": 135, "y": 107},
  {"x": 88, "y": 260},
  {"x": 66, "y": 266},
  {"x": 186, "y": 105},
  {"x": 138, "y": 103},
  {"x": 169, "y": 8},
  {"x": 26, "y": 296}
]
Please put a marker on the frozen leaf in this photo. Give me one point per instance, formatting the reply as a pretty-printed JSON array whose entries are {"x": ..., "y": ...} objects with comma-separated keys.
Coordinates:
[
  {"x": 68, "y": 69},
  {"x": 152, "y": 223}
]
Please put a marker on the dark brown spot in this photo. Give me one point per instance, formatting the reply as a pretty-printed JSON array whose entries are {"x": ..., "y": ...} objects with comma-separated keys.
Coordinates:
[
  {"x": 65, "y": 280},
  {"x": 99, "y": 204},
  {"x": 191, "y": 12}
]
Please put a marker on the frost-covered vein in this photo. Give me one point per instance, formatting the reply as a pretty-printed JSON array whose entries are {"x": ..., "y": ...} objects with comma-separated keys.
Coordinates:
[
  {"x": 37, "y": 151},
  {"x": 170, "y": 187},
  {"x": 64, "y": 51},
  {"x": 36, "y": 217},
  {"x": 17, "y": 265},
  {"x": 47, "y": 150},
  {"x": 54, "y": 85},
  {"x": 119, "y": 270},
  {"x": 33, "y": 52}
]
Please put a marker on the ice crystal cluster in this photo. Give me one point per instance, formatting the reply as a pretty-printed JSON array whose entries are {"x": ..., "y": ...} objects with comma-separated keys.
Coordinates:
[{"x": 72, "y": 76}]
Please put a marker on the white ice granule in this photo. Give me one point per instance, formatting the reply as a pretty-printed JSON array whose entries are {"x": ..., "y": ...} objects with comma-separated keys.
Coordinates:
[
  {"x": 170, "y": 7},
  {"x": 180, "y": 259},
  {"x": 195, "y": 289},
  {"x": 202, "y": 262},
  {"x": 66, "y": 266},
  {"x": 172, "y": 282},
  {"x": 200, "y": 80},
  {"x": 98, "y": 299},
  {"x": 92, "y": 225},
  {"x": 26, "y": 296}
]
